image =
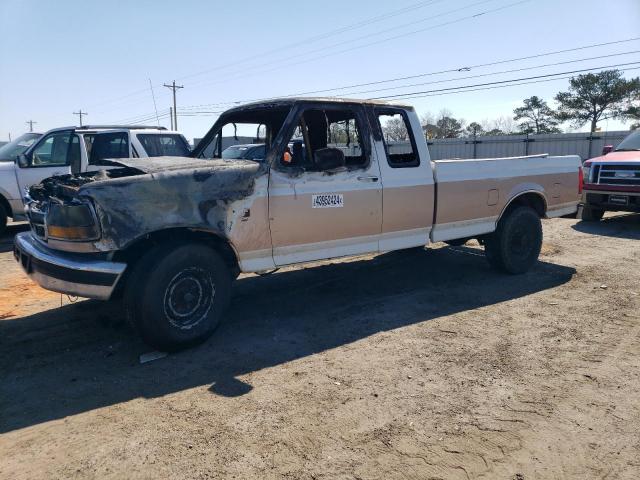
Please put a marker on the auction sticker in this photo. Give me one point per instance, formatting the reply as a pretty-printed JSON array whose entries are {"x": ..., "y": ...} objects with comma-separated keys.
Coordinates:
[{"x": 327, "y": 200}]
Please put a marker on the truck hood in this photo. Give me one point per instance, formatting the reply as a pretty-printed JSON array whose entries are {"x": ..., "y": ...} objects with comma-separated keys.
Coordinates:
[
  {"x": 144, "y": 196},
  {"x": 618, "y": 157},
  {"x": 163, "y": 164}
]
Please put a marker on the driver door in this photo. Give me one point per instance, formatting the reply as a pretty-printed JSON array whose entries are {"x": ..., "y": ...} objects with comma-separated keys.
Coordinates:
[
  {"x": 53, "y": 155},
  {"x": 317, "y": 214}
]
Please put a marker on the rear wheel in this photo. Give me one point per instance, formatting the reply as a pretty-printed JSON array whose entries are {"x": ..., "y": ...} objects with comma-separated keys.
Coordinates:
[
  {"x": 590, "y": 214},
  {"x": 3, "y": 219},
  {"x": 515, "y": 245},
  {"x": 176, "y": 295}
]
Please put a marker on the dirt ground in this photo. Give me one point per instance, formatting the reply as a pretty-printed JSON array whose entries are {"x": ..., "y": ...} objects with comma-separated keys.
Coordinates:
[{"x": 410, "y": 365}]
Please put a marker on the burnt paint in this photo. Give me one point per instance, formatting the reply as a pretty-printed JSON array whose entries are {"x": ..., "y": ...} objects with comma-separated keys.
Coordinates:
[{"x": 168, "y": 192}]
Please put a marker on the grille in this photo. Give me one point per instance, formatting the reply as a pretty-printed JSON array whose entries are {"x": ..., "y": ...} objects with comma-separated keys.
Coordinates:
[
  {"x": 36, "y": 220},
  {"x": 618, "y": 174}
]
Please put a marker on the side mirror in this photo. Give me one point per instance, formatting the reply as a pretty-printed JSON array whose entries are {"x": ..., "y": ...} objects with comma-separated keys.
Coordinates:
[
  {"x": 329, "y": 158},
  {"x": 23, "y": 161},
  {"x": 607, "y": 149}
]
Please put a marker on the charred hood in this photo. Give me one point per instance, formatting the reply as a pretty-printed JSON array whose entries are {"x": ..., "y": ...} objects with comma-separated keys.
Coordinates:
[{"x": 135, "y": 170}]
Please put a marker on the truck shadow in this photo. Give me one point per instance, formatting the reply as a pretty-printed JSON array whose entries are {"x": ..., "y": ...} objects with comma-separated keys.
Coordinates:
[
  {"x": 621, "y": 226},
  {"x": 81, "y": 357},
  {"x": 6, "y": 240}
]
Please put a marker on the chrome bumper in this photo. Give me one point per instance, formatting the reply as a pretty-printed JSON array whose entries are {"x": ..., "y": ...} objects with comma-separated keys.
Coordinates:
[{"x": 73, "y": 274}]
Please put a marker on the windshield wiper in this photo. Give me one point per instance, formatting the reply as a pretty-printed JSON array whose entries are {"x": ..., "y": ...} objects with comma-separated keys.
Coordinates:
[{"x": 627, "y": 150}]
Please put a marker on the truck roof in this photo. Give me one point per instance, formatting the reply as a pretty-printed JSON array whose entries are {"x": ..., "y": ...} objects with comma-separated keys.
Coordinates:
[{"x": 290, "y": 101}]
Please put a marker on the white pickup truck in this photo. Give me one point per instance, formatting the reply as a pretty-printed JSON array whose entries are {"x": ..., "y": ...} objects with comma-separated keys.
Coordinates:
[
  {"x": 74, "y": 150},
  {"x": 169, "y": 235}
]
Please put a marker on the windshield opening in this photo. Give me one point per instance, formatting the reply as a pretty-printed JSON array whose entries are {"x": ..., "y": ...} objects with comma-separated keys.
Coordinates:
[
  {"x": 10, "y": 151},
  {"x": 249, "y": 128}
]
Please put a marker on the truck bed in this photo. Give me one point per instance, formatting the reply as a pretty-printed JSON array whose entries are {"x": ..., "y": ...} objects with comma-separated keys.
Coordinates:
[{"x": 472, "y": 194}]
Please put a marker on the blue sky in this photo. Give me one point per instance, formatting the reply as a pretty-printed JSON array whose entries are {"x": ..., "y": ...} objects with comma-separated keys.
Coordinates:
[{"x": 98, "y": 56}]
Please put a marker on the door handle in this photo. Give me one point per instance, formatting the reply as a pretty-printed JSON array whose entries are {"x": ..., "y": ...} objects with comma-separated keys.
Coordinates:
[{"x": 368, "y": 178}]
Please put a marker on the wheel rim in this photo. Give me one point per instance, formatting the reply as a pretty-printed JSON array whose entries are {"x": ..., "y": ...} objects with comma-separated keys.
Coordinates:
[
  {"x": 189, "y": 297},
  {"x": 521, "y": 244}
]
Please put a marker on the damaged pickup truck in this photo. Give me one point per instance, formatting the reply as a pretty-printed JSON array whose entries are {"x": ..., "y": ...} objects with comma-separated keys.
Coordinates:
[{"x": 168, "y": 235}]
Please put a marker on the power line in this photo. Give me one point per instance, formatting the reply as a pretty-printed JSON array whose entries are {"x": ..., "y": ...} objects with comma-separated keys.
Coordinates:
[
  {"x": 313, "y": 39},
  {"x": 479, "y": 86},
  {"x": 468, "y": 68},
  {"x": 433, "y": 73},
  {"x": 80, "y": 113},
  {"x": 307, "y": 41},
  {"x": 505, "y": 81},
  {"x": 491, "y": 73},
  {"x": 241, "y": 74},
  {"x": 153, "y": 96},
  {"x": 498, "y": 86},
  {"x": 440, "y": 72}
]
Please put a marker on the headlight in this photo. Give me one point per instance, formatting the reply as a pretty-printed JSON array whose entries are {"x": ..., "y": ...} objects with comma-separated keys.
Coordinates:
[
  {"x": 586, "y": 173},
  {"x": 71, "y": 222}
]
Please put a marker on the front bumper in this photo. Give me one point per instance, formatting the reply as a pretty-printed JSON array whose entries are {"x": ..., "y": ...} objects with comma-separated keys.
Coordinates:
[
  {"x": 83, "y": 275},
  {"x": 602, "y": 199}
]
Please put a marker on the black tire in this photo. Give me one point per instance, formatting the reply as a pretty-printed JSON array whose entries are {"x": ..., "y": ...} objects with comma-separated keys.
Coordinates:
[
  {"x": 590, "y": 214},
  {"x": 515, "y": 245},
  {"x": 3, "y": 219},
  {"x": 176, "y": 295}
]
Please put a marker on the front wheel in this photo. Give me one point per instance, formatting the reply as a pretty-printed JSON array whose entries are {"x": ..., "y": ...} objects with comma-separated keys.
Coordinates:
[
  {"x": 3, "y": 219},
  {"x": 515, "y": 245},
  {"x": 590, "y": 214},
  {"x": 176, "y": 295}
]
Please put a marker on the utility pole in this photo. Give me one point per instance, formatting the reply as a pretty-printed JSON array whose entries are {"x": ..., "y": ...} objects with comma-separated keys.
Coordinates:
[
  {"x": 174, "y": 87},
  {"x": 171, "y": 117},
  {"x": 30, "y": 123},
  {"x": 80, "y": 113}
]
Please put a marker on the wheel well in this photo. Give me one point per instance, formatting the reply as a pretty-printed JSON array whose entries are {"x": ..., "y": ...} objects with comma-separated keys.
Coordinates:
[
  {"x": 136, "y": 250},
  {"x": 530, "y": 199},
  {"x": 5, "y": 203}
]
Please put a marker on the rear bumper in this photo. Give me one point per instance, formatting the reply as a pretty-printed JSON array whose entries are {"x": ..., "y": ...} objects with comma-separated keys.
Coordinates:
[{"x": 73, "y": 274}]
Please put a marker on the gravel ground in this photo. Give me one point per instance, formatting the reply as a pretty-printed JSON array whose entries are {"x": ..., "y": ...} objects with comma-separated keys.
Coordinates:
[{"x": 409, "y": 365}]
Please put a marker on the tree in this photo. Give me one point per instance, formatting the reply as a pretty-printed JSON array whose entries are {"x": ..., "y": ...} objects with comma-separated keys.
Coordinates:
[
  {"x": 633, "y": 112},
  {"x": 596, "y": 96},
  {"x": 395, "y": 130},
  {"x": 474, "y": 129},
  {"x": 431, "y": 131},
  {"x": 499, "y": 126},
  {"x": 538, "y": 116},
  {"x": 448, "y": 126}
]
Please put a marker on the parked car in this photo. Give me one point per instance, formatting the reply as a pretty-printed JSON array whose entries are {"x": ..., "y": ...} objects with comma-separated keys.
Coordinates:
[
  {"x": 169, "y": 236},
  {"x": 10, "y": 202},
  {"x": 612, "y": 181},
  {"x": 10, "y": 151},
  {"x": 249, "y": 151},
  {"x": 74, "y": 150}
]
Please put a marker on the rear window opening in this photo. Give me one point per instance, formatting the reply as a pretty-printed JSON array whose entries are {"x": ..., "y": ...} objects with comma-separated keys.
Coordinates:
[
  {"x": 164, "y": 144},
  {"x": 398, "y": 138}
]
